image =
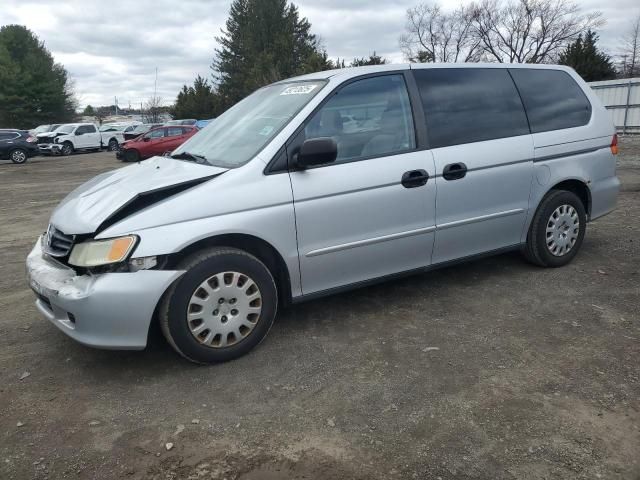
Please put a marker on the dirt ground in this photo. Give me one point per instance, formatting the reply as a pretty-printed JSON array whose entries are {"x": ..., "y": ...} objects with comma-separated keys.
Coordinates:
[{"x": 535, "y": 373}]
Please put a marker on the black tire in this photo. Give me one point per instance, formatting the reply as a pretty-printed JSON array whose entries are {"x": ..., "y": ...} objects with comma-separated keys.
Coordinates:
[
  {"x": 18, "y": 156},
  {"x": 176, "y": 302},
  {"x": 66, "y": 149},
  {"x": 537, "y": 249},
  {"x": 131, "y": 155},
  {"x": 112, "y": 145}
]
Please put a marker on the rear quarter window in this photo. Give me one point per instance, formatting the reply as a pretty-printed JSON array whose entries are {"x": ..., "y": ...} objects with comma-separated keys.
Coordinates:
[{"x": 552, "y": 98}]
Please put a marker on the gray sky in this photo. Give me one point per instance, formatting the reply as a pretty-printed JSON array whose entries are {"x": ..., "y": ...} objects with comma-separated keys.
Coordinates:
[{"x": 111, "y": 48}]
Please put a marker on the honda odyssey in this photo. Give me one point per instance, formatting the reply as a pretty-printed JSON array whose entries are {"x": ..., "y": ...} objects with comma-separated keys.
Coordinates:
[{"x": 277, "y": 202}]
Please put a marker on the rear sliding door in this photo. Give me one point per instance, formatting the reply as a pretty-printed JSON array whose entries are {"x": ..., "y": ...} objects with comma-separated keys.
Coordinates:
[{"x": 483, "y": 152}]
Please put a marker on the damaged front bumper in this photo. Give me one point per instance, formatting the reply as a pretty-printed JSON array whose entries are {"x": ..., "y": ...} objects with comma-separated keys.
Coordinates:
[{"x": 110, "y": 310}]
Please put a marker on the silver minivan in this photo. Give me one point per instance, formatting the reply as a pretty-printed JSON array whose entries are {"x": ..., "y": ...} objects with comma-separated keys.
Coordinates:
[{"x": 321, "y": 183}]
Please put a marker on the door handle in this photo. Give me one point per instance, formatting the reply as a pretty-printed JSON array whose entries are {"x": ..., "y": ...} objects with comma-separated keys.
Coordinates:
[
  {"x": 454, "y": 171},
  {"x": 414, "y": 178}
]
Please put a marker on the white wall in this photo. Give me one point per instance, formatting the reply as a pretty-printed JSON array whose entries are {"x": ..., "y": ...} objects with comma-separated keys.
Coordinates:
[{"x": 622, "y": 98}]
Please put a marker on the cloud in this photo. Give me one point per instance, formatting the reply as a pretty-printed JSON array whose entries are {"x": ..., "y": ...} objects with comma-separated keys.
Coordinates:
[{"x": 112, "y": 48}]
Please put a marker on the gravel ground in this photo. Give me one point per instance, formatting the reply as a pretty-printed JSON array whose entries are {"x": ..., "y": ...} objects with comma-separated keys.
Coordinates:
[{"x": 533, "y": 373}]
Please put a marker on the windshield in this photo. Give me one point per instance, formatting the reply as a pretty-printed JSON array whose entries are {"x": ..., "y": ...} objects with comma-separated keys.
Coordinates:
[
  {"x": 65, "y": 129},
  {"x": 41, "y": 129},
  {"x": 242, "y": 131}
]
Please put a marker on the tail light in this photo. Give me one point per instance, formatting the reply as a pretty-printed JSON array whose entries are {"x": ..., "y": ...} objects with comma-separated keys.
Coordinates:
[
  {"x": 614, "y": 144},
  {"x": 32, "y": 139}
]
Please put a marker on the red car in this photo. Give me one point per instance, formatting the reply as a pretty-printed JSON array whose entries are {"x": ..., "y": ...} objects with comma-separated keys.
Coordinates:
[{"x": 156, "y": 141}]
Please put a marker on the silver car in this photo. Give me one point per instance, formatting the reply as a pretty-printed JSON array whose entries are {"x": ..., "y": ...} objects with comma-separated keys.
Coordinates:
[{"x": 276, "y": 202}]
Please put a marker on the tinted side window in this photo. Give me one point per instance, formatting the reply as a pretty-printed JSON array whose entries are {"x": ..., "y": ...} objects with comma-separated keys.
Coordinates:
[
  {"x": 89, "y": 129},
  {"x": 552, "y": 98},
  {"x": 367, "y": 118},
  {"x": 81, "y": 130},
  {"x": 465, "y": 105},
  {"x": 8, "y": 135},
  {"x": 174, "y": 131}
]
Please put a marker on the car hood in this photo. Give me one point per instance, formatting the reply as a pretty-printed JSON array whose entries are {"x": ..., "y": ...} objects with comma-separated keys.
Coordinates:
[
  {"x": 113, "y": 195},
  {"x": 50, "y": 134}
]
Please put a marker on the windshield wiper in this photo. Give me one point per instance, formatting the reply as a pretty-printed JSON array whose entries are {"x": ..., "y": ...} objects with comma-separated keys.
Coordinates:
[{"x": 193, "y": 157}]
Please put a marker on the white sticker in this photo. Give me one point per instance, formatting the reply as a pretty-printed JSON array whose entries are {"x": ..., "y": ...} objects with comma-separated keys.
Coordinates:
[
  {"x": 299, "y": 90},
  {"x": 266, "y": 130}
]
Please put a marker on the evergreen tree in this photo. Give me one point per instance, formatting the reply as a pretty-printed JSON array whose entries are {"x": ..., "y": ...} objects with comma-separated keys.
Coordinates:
[
  {"x": 264, "y": 41},
  {"x": 372, "y": 60},
  {"x": 33, "y": 88},
  {"x": 584, "y": 57},
  {"x": 88, "y": 111},
  {"x": 198, "y": 101}
]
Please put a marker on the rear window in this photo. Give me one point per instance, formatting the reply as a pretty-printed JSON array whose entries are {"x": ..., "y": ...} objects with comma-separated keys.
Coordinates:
[
  {"x": 466, "y": 105},
  {"x": 552, "y": 98}
]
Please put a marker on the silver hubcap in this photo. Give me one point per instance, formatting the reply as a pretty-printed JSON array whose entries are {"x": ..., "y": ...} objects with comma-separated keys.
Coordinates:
[
  {"x": 224, "y": 309},
  {"x": 113, "y": 145},
  {"x": 563, "y": 228},
  {"x": 18, "y": 156}
]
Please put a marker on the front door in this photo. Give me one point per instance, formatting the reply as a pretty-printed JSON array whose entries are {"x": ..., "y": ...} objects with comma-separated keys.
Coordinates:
[
  {"x": 483, "y": 154},
  {"x": 372, "y": 212}
]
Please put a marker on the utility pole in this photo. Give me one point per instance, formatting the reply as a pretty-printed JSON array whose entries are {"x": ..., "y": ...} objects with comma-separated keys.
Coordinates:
[
  {"x": 116, "y": 103},
  {"x": 155, "y": 98}
]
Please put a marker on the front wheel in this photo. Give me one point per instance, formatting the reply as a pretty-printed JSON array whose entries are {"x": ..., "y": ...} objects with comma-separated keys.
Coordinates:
[
  {"x": 113, "y": 145},
  {"x": 18, "y": 156},
  {"x": 67, "y": 149},
  {"x": 221, "y": 308},
  {"x": 557, "y": 229},
  {"x": 131, "y": 156}
]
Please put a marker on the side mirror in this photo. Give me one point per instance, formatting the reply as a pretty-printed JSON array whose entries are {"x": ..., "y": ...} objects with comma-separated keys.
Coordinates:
[
  {"x": 78, "y": 133},
  {"x": 316, "y": 151},
  {"x": 145, "y": 139}
]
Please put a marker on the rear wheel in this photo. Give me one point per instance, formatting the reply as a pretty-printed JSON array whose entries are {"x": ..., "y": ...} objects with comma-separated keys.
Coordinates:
[
  {"x": 557, "y": 229},
  {"x": 221, "y": 308},
  {"x": 18, "y": 156},
  {"x": 131, "y": 156}
]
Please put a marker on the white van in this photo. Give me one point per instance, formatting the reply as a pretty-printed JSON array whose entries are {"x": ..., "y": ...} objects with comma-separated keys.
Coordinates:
[{"x": 276, "y": 202}]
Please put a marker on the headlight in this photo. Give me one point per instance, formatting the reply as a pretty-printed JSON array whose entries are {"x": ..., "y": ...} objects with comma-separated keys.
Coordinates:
[{"x": 102, "y": 252}]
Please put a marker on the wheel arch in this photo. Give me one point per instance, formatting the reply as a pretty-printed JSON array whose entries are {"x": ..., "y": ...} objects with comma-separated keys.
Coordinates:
[
  {"x": 578, "y": 187},
  {"x": 256, "y": 246}
]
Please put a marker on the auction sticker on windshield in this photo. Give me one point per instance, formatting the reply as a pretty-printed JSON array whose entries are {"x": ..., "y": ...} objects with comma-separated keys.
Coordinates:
[{"x": 299, "y": 90}]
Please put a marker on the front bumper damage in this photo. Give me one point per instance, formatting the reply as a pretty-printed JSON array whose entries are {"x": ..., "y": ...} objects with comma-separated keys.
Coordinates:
[{"x": 109, "y": 310}]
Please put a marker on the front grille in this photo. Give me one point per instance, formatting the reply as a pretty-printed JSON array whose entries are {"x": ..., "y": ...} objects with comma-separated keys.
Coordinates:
[
  {"x": 45, "y": 140},
  {"x": 57, "y": 243}
]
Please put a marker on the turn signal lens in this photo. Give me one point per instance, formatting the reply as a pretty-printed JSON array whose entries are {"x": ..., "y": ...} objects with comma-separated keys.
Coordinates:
[
  {"x": 614, "y": 144},
  {"x": 102, "y": 252}
]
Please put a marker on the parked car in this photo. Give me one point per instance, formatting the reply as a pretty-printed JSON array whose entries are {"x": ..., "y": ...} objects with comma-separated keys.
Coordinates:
[
  {"x": 69, "y": 138},
  {"x": 17, "y": 145},
  {"x": 44, "y": 128},
  {"x": 275, "y": 203},
  {"x": 200, "y": 124},
  {"x": 155, "y": 142},
  {"x": 139, "y": 130},
  {"x": 188, "y": 121},
  {"x": 113, "y": 134}
]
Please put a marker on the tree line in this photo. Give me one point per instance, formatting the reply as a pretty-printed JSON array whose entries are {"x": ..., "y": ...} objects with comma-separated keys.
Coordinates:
[{"x": 268, "y": 40}]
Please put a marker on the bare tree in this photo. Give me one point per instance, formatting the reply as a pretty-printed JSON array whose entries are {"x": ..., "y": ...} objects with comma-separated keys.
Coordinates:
[
  {"x": 631, "y": 51},
  {"x": 151, "y": 112},
  {"x": 433, "y": 35},
  {"x": 529, "y": 31}
]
